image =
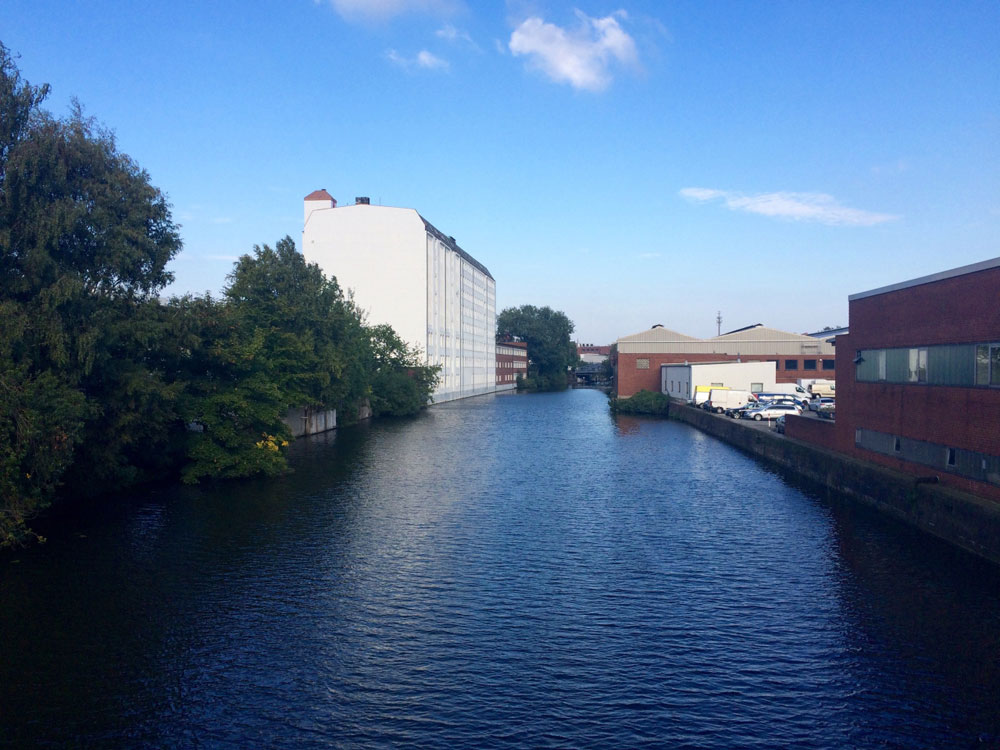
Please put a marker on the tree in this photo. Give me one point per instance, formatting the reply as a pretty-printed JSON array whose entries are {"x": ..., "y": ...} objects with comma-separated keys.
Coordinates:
[
  {"x": 401, "y": 383},
  {"x": 547, "y": 332},
  {"x": 84, "y": 243},
  {"x": 283, "y": 336}
]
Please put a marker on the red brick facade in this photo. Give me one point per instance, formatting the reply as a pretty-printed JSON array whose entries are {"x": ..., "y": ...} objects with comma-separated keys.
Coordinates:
[
  {"x": 959, "y": 310},
  {"x": 510, "y": 365},
  {"x": 630, "y": 378}
]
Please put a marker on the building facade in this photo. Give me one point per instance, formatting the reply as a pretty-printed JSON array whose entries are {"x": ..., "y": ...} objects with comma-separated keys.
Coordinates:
[
  {"x": 795, "y": 356},
  {"x": 682, "y": 381},
  {"x": 920, "y": 384},
  {"x": 512, "y": 362},
  {"x": 404, "y": 272}
]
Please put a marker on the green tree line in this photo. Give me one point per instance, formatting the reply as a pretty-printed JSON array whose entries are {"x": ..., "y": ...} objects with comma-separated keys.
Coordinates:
[
  {"x": 551, "y": 351},
  {"x": 104, "y": 386}
]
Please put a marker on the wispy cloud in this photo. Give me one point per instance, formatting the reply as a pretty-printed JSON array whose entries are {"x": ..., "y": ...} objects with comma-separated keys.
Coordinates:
[
  {"x": 423, "y": 59},
  {"x": 648, "y": 256},
  {"x": 383, "y": 10},
  {"x": 230, "y": 258},
  {"x": 582, "y": 56},
  {"x": 222, "y": 220},
  {"x": 456, "y": 36},
  {"x": 818, "y": 207}
]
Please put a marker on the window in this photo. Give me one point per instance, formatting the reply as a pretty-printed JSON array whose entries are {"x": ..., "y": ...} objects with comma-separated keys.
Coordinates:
[
  {"x": 951, "y": 457},
  {"x": 829, "y": 364},
  {"x": 791, "y": 364},
  {"x": 988, "y": 364},
  {"x": 718, "y": 385},
  {"x": 642, "y": 364},
  {"x": 756, "y": 387},
  {"x": 896, "y": 445},
  {"x": 809, "y": 364},
  {"x": 917, "y": 371}
]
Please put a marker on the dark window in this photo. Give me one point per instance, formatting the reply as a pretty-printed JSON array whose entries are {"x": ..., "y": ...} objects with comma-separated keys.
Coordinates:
[
  {"x": 829, "y": 364},
  {"x": 793, "y": 364},
  {"x": 951, "y": 456},
  {"x": 809, "y": 364},
  {"x": 896, "y": 445}
]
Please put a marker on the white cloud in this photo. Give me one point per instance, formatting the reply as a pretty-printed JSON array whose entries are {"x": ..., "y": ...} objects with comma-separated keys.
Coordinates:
[
  {"x": 818, "y": 207},
  {"x": 383, "y": 10},
  {"x": 428, "y": 60},
  {"x": 581, "y": 57},
  {"x": 423, "y": 59},
  {"x": 450, "y": 34}
]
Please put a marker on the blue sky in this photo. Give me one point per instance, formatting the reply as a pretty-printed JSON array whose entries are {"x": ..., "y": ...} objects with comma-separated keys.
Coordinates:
[{"x": 630, "y": 163}]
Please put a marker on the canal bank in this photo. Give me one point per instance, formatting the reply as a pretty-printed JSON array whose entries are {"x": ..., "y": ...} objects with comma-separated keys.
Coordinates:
[{"x": 959, "y": 518}]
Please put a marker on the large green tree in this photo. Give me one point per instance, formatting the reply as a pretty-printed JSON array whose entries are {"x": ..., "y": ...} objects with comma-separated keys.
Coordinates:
[
  {"x": 282, "y": 336},
  {"x": 84, "y": 243},
  {"x": 547, "y": 333}
]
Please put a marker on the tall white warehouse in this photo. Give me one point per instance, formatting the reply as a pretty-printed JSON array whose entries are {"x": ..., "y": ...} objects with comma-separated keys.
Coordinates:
[{"x": 405, "y": 272}]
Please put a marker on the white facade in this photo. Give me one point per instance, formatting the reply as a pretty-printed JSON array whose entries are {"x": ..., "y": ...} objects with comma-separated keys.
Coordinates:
[
  {"x": 406, "y": 273},
  {"x": 681, "y": 381}
]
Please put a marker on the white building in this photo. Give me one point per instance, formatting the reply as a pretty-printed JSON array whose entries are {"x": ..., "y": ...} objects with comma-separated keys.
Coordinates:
[
  {"x": 683, "y": 380},
  {"x": 406, "y": 273}
]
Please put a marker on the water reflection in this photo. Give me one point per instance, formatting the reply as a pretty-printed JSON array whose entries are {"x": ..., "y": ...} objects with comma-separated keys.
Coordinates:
[{"x": 506, "y": 571}]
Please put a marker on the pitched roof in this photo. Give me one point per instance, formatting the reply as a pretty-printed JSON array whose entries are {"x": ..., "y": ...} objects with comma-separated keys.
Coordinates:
[
  {"x": 319, "y": 195},
  {"x": 450, "y": 242},
  {"x": 658, "y": 333}
]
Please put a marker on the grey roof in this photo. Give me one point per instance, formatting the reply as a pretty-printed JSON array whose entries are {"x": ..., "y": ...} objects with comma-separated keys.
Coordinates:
[{"x": 451, "y": 244}]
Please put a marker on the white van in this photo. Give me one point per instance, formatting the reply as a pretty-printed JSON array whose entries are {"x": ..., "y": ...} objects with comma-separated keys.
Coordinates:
[
  {"x": 796, "y": 391},
  {"x": 721, "y": 399},
  {"x": 823, "y": 388}
]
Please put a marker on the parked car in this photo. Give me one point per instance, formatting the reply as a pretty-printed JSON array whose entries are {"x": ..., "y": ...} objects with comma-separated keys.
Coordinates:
[
  {"x": 817, "y": 402},
  {"x": 827, "y": 411},
  {"x": 737, "y": 411},
  {"x": 779, "y": 425},
  {"x": 772, "y": 411}
]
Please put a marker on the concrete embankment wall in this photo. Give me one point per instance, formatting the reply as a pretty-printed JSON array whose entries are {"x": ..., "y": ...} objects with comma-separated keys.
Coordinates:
[{"x": 957, "y": 517}]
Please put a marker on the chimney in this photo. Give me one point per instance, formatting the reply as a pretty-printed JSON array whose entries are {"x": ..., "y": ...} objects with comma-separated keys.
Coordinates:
[
  {"x": 363, "y": 200},
  {"x": 318, "y": 200}
]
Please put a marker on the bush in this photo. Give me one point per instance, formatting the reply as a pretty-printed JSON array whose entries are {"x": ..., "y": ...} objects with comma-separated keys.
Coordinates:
[{"x": 643, "y": 402}]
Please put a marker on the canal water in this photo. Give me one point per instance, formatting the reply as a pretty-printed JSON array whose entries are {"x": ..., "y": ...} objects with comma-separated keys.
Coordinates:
[{"x": 506, "y": 571}]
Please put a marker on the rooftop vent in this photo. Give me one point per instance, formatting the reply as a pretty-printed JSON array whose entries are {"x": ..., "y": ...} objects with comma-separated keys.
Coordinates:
[{"x": 362, "y": 200}]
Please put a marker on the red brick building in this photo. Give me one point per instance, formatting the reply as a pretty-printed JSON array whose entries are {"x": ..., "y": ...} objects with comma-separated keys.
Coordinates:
[
  {"x": 796, "y": 356},
  {"x": 512, "y": 360},
  {"x": 919, "y": 385}
]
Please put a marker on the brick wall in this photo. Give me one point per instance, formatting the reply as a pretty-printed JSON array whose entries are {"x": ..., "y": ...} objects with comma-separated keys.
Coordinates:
[
  {"x": 631, "y": 380},
  {"x": 956, "y": 310},
  {"x": 822, "y": 432}
]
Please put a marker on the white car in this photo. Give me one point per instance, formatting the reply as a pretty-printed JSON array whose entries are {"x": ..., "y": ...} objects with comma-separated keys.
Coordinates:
[
  {"x": 772, "y": 411},
  {"x": 816, "y": 403}
]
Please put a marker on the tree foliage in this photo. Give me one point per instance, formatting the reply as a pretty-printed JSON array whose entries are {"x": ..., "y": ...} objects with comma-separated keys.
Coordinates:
[
  {"x": 643, "y": 402},
  {"x": 550, "y": 349},
  {"x": 103, "y": 386},
  {"x": 84, "y": 243}
]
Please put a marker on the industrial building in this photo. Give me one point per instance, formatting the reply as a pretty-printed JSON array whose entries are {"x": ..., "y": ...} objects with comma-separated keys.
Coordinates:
[
  {"x": 919, "y": 385},
  {"x": 512, "y": 363},
  {"x": 794, "y": 355},
  {"x": 405, "y": 272},
  {"x": 683, "y": 381}
]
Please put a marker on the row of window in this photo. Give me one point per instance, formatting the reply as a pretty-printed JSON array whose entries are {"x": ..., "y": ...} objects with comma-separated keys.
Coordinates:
[
  {"x": 790, "y": 364},
  {"x": 945, "y": 364},
  {"x": 810, "y": 364},
  {"x": 520, "y": 365},
  {"x": 969, "y": 464}
]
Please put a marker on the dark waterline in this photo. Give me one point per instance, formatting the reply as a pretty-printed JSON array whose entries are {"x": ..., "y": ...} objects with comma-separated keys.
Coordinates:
[{"x": 510, "y": 571}]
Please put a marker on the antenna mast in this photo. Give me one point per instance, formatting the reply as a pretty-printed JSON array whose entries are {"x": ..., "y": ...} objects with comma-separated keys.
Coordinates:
[{"x": 718, "y": 323}]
